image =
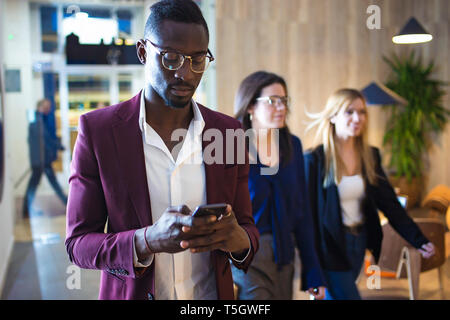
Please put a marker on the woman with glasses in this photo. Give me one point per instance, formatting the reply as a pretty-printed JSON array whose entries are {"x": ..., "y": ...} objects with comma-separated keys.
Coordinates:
[
  {"x": 278, "y": 192},
  {"x": 347, "y": 186}
]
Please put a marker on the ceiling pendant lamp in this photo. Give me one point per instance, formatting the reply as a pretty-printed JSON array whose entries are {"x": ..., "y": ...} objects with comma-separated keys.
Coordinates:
[
  {"x": 379, "y": 95},
  {"x": 412, "y": 32}
]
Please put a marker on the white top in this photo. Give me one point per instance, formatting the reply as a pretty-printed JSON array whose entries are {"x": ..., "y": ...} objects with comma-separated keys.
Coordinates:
[
  {"x": 351, "y": 192},
  {"x": 172, "y": 181}
]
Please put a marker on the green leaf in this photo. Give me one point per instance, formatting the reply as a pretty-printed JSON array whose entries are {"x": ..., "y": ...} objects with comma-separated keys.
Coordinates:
[{"x": 408, "y": 128}]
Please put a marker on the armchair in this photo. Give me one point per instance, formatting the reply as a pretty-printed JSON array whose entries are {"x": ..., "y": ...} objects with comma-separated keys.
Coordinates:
[{"x": 396, "y": 253}]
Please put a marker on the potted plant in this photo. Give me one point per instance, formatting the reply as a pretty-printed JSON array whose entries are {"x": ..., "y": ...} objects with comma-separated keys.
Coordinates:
[{"x": 410, "y": 128}]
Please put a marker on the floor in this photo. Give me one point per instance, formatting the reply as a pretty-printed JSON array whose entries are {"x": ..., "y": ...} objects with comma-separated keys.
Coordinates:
[{"x": 39, "y": 267}]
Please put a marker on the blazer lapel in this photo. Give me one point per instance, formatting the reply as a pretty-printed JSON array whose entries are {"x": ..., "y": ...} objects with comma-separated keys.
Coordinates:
[
  {"x": 213, "y": 172},
  {"x": 329, "y": 207},
  {"x": 332, "y": 212},
  {"x": 130, "y": 152}
]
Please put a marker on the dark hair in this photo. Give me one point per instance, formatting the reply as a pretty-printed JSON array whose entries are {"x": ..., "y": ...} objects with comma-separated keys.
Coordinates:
[
  {"x": 186, "y": 11},
  {"x": 40, "y": 102},
  {"x": 249, "y": 90}
]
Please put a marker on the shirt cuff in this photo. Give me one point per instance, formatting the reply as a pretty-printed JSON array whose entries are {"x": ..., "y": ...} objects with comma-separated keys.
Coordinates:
[
  {"x": 248, "y": 252},
  {"x": 141, "y": 264}
]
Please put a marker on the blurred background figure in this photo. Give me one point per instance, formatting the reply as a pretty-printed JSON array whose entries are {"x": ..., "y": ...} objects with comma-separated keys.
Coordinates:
[
  {"x": 279, "y": 200},
  {"x": 347, "y": 186},
  {"x": 43, "y": 150}
]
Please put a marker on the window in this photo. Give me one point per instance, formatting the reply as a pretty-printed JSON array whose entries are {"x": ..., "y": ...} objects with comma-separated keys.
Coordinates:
[{"x": 49, "y": 28}]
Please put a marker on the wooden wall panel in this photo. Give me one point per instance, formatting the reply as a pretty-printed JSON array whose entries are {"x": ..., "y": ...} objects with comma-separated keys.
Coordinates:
[{"x": 319, "y": 46}]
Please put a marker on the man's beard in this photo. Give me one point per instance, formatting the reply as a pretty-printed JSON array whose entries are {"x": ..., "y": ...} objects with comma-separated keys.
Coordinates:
[
  {"x": 173, "y": 101},
  {"x": 176, "y": 104}
]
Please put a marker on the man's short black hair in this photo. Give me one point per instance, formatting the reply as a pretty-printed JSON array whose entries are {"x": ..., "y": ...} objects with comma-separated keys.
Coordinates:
[{"x": 186, "y": 11}]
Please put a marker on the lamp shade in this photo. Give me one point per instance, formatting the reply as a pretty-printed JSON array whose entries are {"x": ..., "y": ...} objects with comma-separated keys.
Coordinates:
[
  {"x": 378, "y": 94},
  {"x": 412, "y": 32}
]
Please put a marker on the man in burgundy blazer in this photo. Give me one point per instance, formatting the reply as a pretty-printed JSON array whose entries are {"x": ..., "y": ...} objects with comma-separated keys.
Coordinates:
[{"x": 108, "y": 184}]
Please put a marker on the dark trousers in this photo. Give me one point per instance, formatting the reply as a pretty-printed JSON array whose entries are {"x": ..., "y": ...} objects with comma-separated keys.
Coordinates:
[
  {"x": 264, "y": 280},
  {"x": 341, "y": 284},
  {"x": 33, "y": 184}
]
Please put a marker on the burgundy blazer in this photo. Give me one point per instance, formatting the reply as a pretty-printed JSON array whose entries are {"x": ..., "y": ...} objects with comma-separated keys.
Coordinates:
[{"x": 108, "y": 186}]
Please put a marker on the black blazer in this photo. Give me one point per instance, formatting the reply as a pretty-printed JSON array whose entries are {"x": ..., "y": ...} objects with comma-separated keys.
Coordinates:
[{"x": 326, "y": 211}]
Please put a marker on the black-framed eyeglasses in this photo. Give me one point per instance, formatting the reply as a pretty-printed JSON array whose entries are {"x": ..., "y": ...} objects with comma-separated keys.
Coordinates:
[
  {"x": 276, "y": 100},
  {"x": 173, "y": 60}
]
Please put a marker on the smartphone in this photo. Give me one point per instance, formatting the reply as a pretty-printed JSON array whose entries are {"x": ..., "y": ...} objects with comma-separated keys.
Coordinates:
[{"x": 217, "y": 209}]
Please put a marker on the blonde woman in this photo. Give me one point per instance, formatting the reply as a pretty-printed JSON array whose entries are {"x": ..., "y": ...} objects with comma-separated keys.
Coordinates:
[{"x": 347, "y": 187}]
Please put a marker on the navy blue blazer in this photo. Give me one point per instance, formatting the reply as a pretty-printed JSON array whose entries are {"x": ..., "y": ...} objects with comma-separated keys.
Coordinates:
[
  {"x": 280, "y": 206},
  {"x": 326, "y": 211}
]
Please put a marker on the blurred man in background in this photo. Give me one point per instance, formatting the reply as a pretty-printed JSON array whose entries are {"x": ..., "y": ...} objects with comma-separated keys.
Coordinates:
[{"x": 43, "y": 150}]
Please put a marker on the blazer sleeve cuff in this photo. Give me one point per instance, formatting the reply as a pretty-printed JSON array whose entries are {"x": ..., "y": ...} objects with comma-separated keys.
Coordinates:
[
  {"x": 312, "y": 278},
  {"x": 253, "y": 236},
  {"x": 141, "y": 264}
]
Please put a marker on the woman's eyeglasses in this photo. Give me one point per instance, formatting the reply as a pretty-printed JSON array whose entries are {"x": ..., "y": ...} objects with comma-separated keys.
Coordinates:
[{"x": 276, "y": 100}]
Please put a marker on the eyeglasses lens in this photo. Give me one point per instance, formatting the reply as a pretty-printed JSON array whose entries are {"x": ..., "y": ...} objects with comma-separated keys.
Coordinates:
[{"x": 174, "y": 61}]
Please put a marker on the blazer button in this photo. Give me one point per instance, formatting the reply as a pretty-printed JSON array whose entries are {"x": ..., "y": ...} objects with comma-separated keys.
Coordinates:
[{"x": 150, "y": 296}]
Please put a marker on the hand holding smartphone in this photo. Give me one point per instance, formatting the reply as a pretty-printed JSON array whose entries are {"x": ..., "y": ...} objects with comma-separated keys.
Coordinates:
[{"x": 217, "y": 209}]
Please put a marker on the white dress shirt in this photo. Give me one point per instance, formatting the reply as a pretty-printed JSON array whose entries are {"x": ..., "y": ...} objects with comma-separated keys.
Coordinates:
[{"x": 174, "y": 181}]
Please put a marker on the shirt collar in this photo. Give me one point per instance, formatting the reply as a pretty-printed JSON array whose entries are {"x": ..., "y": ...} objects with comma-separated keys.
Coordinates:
[
  {"x": 198, "y": 118},
  {"x": 151, "y": 136}
]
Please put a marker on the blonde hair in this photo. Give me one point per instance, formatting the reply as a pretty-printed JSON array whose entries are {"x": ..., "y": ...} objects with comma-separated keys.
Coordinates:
[{"x": 326, "y": 135}]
